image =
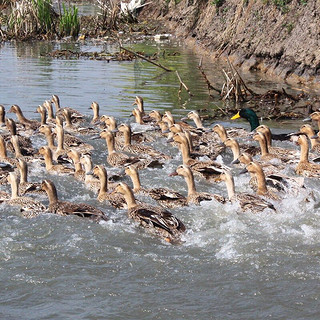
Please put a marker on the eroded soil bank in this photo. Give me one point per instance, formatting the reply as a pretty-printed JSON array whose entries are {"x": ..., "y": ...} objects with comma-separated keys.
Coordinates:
[{"x": 277, "y": 37}]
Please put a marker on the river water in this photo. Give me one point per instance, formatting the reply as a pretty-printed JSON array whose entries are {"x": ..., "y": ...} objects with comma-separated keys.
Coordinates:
[{"x": 230, "y": 266}]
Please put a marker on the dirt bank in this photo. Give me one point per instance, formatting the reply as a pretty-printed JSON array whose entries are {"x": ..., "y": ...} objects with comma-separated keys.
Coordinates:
[{"x": 272, "y": 36}]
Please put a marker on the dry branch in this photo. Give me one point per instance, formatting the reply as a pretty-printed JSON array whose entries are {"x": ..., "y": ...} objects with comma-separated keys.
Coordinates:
[{"x": 182, "y": 84}]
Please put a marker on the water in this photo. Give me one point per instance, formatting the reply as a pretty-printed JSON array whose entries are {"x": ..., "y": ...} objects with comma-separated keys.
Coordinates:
[{"x": 231, "y": 266}]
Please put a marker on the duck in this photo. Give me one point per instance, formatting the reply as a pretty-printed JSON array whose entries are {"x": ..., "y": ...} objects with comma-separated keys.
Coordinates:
[
  {"x": 46, "y": 130},
  {"x": 165, "y": 197},
  {"x": 77, "y": 117},
  {"x": 3, "y": 153},
  {"x": 118, "y": 159},
  {"x": 24, "y": 185},
  {"x": 79, "y": 173},
  {"x": 28, "y": 124},
  {"x": 155, "y": 115},
  {"x": 304, "y": 167},
  {"x": 138, "y": 116},
  {"x": 114, "y": 198},
  {"x": 50, "y": 114},
  {"x": 43, "y": 113},
  {"x": 249, "y": 115},
  {"x": 28, "y": 206},
  {"x": 194, "y": 197},
  {"x": 140, "y": 104},
  {"x": 315, "y": 116},
  {"x": 2, "y": 116},
  {"x": 27, "y": 156},
  {"x": 90, "y": 181},
  {"x": 246, "y": 201},
  {"x": 66, "y": 208},
  {"x": 210, "y": 170},
  {"x": 95, "y": 108},
  {"x": 50, "y": 167},
  {"x": 138, "y": 148},
  {"x": 315, "y": 144},
  {"x": 156, "y": 220},
  {"x": 75, "y": 128},
  {"x": 194, "y": 115}
]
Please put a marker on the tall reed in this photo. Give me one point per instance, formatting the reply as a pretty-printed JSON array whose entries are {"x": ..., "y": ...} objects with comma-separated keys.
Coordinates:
[{"x": 69, "y": 24}]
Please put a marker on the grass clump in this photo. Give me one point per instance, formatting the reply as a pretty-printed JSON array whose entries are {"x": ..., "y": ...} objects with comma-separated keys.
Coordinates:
[
  {"x": 69, "y": 24},
  {"x": 217, "y": 3}
]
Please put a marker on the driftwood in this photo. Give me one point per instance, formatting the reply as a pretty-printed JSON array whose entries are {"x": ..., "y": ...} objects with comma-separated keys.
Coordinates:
[{"x": 145, "y": 58}]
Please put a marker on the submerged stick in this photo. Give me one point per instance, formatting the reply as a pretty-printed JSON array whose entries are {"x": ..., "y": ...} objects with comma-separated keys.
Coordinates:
[
  {"x": 145, "y": 58},
  {"x": 210, "y": 86}
]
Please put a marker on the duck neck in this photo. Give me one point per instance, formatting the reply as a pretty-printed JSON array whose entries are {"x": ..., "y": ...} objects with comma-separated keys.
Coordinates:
[
  {"x": 304, "y": 156},
  {"x": 43, "y": 117},
  {"x": 48, "y": 160},
  {"x": 185, "y": 152},
  {"x": 3, "y": 149},
  {"x": 77, "y": 166},
  {"x": 230, "y": 186},
  {"x": 127, "y": 137},
  {"x": 95, "y": 110},
  {"x": 263, "y": 147},
  {"x": 130, "y": 200},
  {"x": 23, "y": 173},
  {"x": 16, "y": 146},
  {"x": 313, "y": 142},
  {"x": 138, "y": 118},
  {"x": 68, "y": 121},
  {"x": 136, "y": 181},
  {"x": 21, "y": 117},
  {"x": 198, "y": 122},
  {"x": 60, "y": 138},
  {"x": 14, "y": 187},
  {"x": 50, "y": 140},
  {"x": 110, "y": 144},
  {"x": 261, "y": 181},
  {"x": 235, "y": 150},
  {"x": 2, "y": 117},
  {"x": 189, "y": 138},
  {"x": 190, "y": 183},
  {"x": 52, "y": 195},
  {"x": 222, "y": 134},
  {"x": 103, "y": 184},
  {"x": 50, "y": 112},
  {"x": 88, "y": 169}
]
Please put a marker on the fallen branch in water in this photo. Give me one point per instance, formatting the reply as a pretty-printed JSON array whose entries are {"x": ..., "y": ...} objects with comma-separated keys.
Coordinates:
[
  {"x": 145, "y": 58},
  {"x": 183, "y": 85}
]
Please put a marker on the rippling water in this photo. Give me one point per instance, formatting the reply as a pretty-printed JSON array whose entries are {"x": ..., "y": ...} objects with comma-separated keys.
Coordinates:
[{"x": 231, "y": 266}]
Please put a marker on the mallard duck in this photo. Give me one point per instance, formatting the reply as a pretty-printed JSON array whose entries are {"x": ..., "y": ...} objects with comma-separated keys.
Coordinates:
[
  {"x": 50, "y": 167},
  {"x": 138, "y": 116},
  {"x": 194, "y": 197},
  {"x": 194, "y": 115},
  {"x": 165, "y": 197},
  {"x": 25, "y": 186},
  {"x": 156, "y": 115},
  {"x": 95, "y": 108},
  {"x": 43, "y": 113},
  {"x": 209, "y": 170},
  {"x": 114, "y": 198},
  {"x": 29, "y": 206},
  {"x": 140, "y": 104},
  {"x": 29, "y": 124},
  {"x": 138, "y": 148},
  {"x": 304, "y": 167},
  {"x": 46, "y": 130},
  {"x": 27, "y": 156},
  {"x": 156, "y": 220},
  {"x": 75, "y": 114},
  {"x": 65, "y": 208},
  {"x": 249, "y": 115},
  {"x": 246, "y": 201},
  {"x": 118, "y": 159}
]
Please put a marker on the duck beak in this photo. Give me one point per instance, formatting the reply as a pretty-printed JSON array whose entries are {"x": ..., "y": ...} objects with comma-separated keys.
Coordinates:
[
  {"x": 170, "y": 140},
  {"x": 236, "y": 116},
  {"x": 314, "y": 137},
  {"x": 115, "y": 131},
  {"x": 184, "y": 119},
  {"x": 95, "y": 138},
  {"x": 236, "y": 161},
  {"x": 174, "y": 173},
  {"x": 243, "y": 171},
  {"x": 307, "y": 119}
]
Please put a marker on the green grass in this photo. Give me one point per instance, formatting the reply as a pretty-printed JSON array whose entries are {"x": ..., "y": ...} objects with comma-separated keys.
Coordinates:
[
  {"x": 44, "y": 15},
  {"x": 69, "y": 24}
]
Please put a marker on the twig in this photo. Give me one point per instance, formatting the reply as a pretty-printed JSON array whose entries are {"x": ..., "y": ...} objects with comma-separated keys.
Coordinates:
[
  {"x": 210, "y": 86},
  {"x": 145, "y": 58},
  {"x": 182, "y": 84}
]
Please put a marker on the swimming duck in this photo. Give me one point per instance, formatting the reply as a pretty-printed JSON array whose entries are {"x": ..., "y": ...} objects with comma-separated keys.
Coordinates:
[
  {"x": 95, "y": 108},
  {"x": 118, "y": 159},
  {"x": 43, "y": 113},
  {"x": 138, "y": 148},
  {"x": 156, "y": 220},
  {"x": 75, "y": 128},
  {"x": 246, "y": 201},
  {"x": 29, "y": 206},
  {"x": 114, "y": 198},
  {"x": 194, "y": 197},
  {"x": 50, "y": 167},
  {"x": 24, "y": 185},
  {"x": 168, "y": 118},
  {"x": 27, "y": 156},
  {"x": 75, "y": 114},
  {"x": 155, "y": 115},
  {"x": 2, "y": 116},
  {"x": 50, "y": 114},
  {"x": 315, "y": 143},
  {"x": 305, "y": 167},
  {"x": 140, "y": 104},
  {"x": 209, "y": 170},
  {"x": 79, "y": 173},
  {"x": 165, "y": 197},
  {"x": 249, "y": 115},
  {"x": 3, "y": 153},
  {"x": 29, "y": 124},
  {"x": 138, "y": 116},
  {"x": 315, "y": 116},
  {"x": 68, "y": 208},
  {"x": 90, "y": 181},
  {"x": 46, "y": 130}
]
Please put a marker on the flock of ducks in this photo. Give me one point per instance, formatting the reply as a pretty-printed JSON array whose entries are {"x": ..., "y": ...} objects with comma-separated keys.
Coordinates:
[{"x": 65, "y": 153}]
